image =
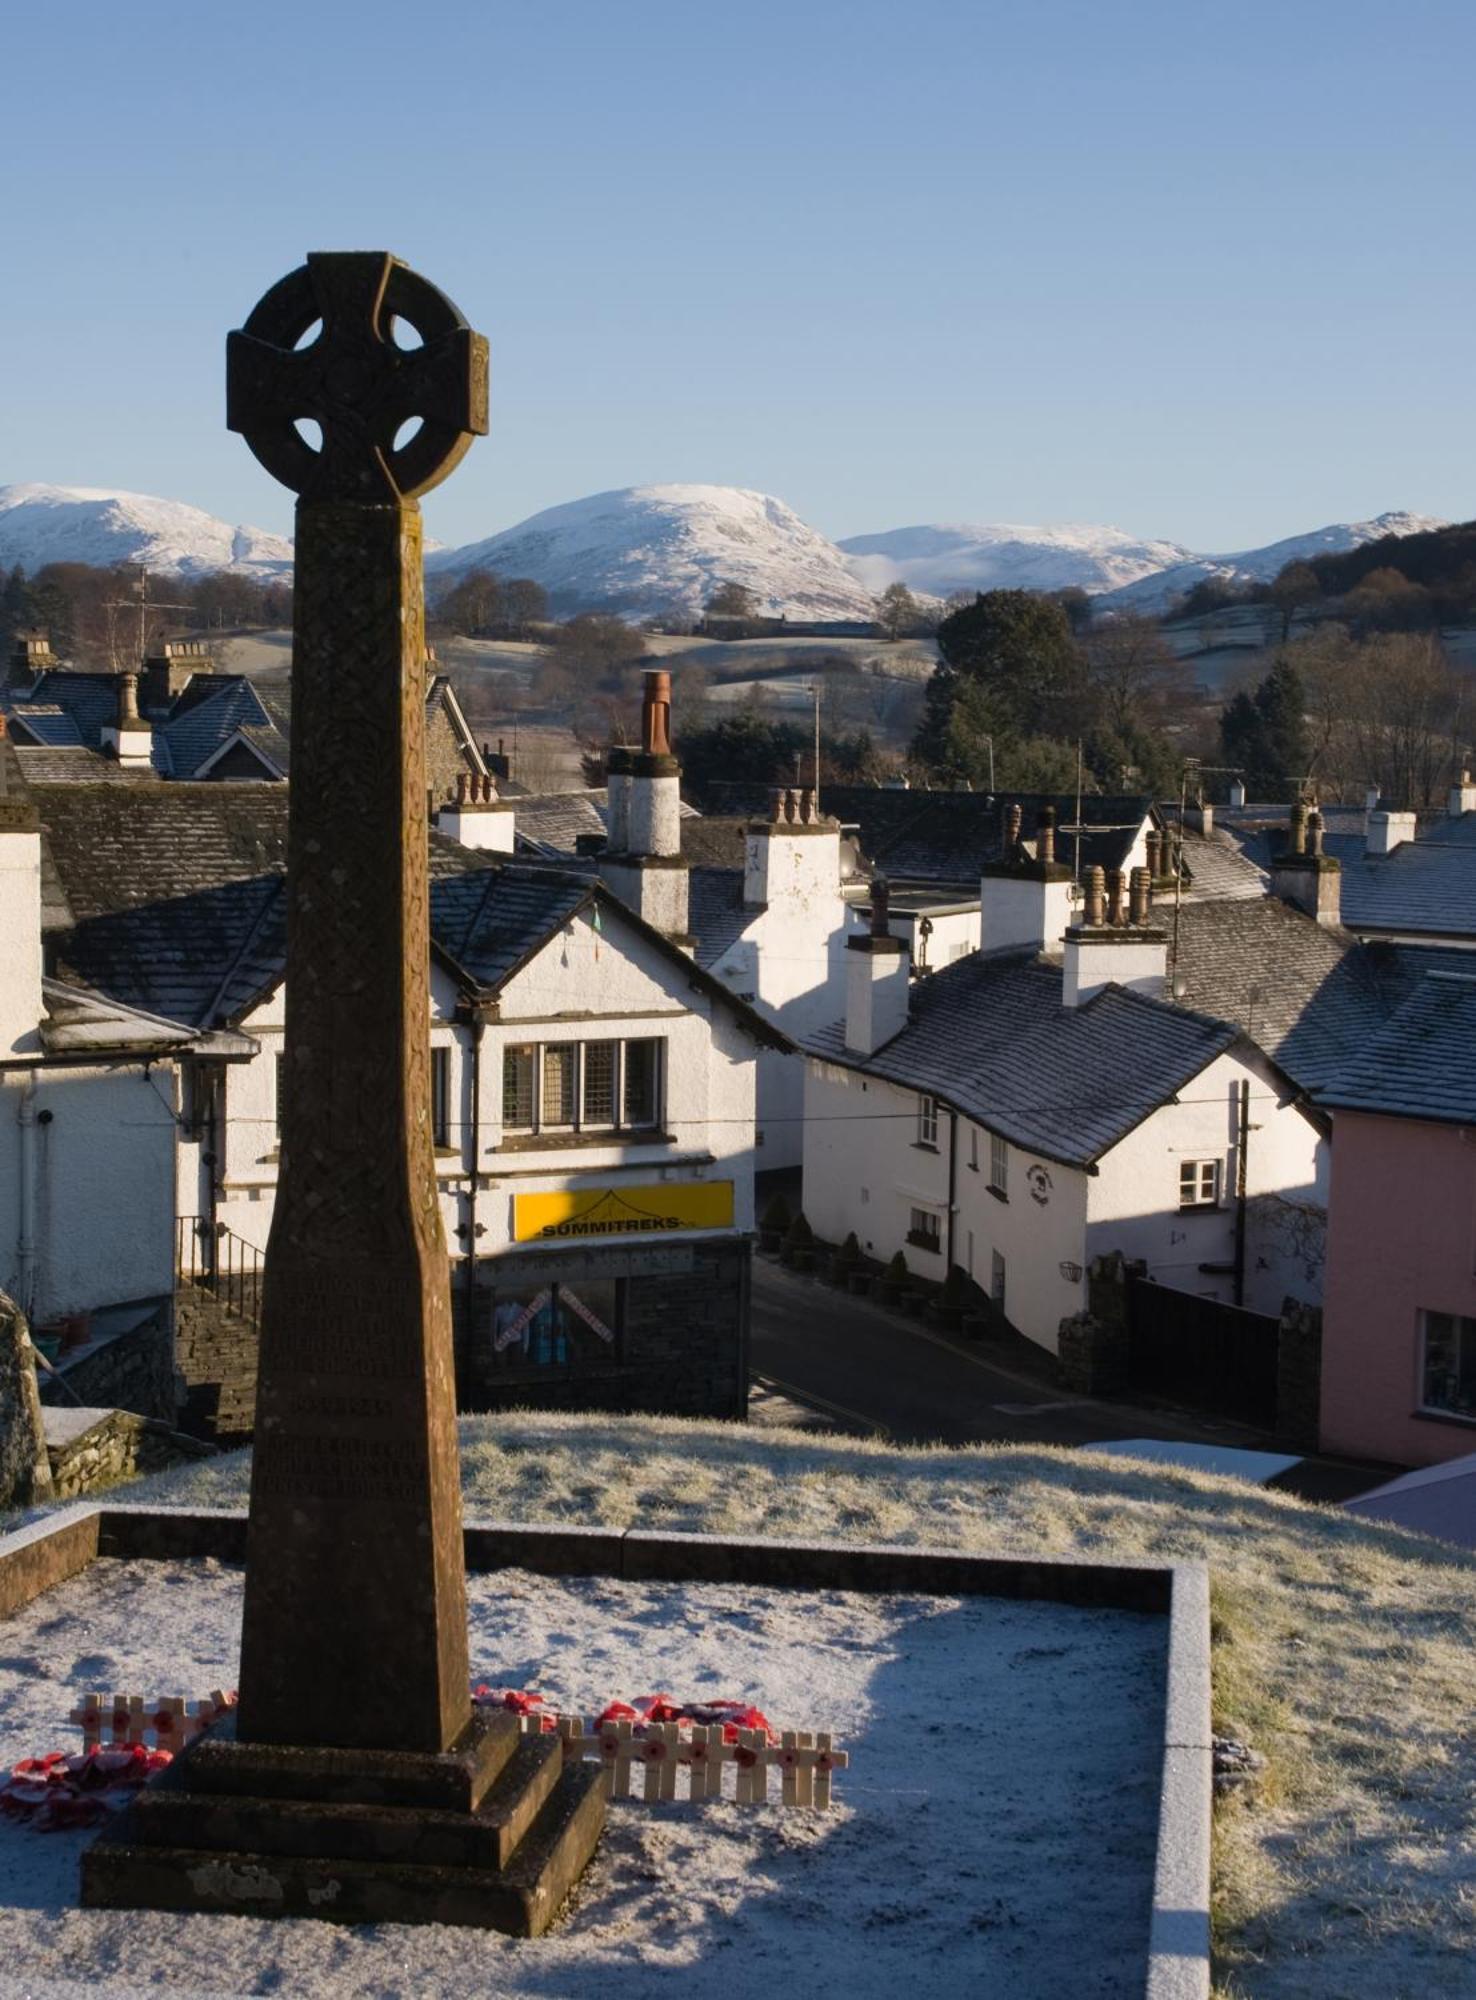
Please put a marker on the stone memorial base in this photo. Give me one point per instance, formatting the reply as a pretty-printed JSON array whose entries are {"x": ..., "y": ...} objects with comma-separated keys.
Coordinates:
[{"x": 493, "y": 1833}]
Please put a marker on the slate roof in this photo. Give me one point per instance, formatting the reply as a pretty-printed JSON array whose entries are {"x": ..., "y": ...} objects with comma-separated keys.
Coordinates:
[
  {"x": 553, "y": 823},
  {"x": 948, "y": 836},
  {"x": 198, "y": 731},
  {"x": 1423, "y": 1063},
  {"x": 171, "y": 899},
  {"x": 74, "y": 764},
  {"x": 1309, "y": 995},
  {"x": 717, "y": 914},
  {"x": 1218, "y": 868},
  {"x": 64, "y": 708},
  {"x": 1425, "y": 887},
  {"x": 990, "y": 1037},
  {"x": 115, "y": 847}
]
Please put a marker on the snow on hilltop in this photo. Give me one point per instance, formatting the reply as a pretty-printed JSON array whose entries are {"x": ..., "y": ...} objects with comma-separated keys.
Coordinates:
[
  {"x": 939, "y": 559},
  {"x": 83, "y": 524},
  {"x": 1155, "y": 593},
  {"x": 654, "y": 551}
]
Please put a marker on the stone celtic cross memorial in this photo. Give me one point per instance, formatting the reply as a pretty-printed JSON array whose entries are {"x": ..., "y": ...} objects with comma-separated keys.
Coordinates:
[{"x": 356, "y": 1781}]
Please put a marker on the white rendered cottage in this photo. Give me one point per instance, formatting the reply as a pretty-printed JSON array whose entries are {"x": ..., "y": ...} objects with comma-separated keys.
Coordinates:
[
  {"x": 1018, "y": 1116},
  {"x": 593, "y": 1102}
]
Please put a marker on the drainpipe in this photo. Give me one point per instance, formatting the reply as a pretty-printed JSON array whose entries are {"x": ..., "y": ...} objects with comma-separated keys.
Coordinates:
[
  {"x": 952, "y": 1187},
  {"x": 477, "y": 1022},
  {"x": 26, "y": 1243},
  {"x": 1241, "y": 1149}
]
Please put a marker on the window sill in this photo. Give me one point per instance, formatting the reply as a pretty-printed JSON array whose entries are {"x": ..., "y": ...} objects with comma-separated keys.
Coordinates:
[
  {"x": 551, "y": 1142},
  {"x": 923, "y": 1146},
  {"x": 1199, "y": 1208},
  {"x": 1451, "y": 1417}
]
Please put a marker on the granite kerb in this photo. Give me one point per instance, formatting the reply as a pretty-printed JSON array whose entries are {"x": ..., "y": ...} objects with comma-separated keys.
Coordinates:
[{"x": 48, "y": 1551}]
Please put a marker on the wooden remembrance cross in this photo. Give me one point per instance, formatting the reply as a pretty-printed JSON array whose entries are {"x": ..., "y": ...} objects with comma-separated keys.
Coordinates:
[{"x": 355, "y": 1613}]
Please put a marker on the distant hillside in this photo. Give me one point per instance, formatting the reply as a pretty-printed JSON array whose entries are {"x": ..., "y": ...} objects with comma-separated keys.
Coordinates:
[
  {"x": 661, "y": 551},
  {"x": 942, "y": 558},
  {"x": 1251, "y": 566},
  {"x": 1442, "y": 560},
  {"x": 84, "y": 524}
]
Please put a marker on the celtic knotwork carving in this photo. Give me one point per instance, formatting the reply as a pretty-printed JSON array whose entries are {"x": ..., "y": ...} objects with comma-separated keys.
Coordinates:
[{"x": 354, "y": 381}]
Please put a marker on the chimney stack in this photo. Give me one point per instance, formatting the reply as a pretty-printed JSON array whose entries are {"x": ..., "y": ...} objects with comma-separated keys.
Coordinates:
[
  {"x": 1101, "y": 950},
  {"x": 129, "y": 738},
  {"x": 1237, "y": 795},
  {"x": 792, "y": 859},
  {"x": 1462, "y": 796},
  {"x": 478, "y": 818},
  {"x": 642, "y": 861},
  {"x": 169, "y": 672},
  {"x": 1385, "y": 831},
  {"x": 1024, "y": 898},
  {"x": 1303, "y": 875},
  {"x": 876, "y": 980},
  {"x": 30, "y": 657},
  {"x": 1116, "y": 893}
]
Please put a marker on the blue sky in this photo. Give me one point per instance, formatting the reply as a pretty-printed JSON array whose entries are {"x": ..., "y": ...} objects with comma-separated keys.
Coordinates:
[{"x": 1200, "y": 270}]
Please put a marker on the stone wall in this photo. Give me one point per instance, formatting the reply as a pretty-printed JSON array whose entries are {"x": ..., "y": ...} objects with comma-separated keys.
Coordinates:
[
  {"x": 1299, "y": 1375},
  {"x": 133, "y": 1372},
  {"x": 23, "y": 1465},
  {"x": 1093, "y": 1357},
  {"x": 86, "y": 1456},
  {"x": 683, "y": 1344},
  {"x": 216, "y": 1351}
]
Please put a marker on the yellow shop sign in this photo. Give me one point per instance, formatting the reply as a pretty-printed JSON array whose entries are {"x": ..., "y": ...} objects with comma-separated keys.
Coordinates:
[{"x": 574, "y": 1214}]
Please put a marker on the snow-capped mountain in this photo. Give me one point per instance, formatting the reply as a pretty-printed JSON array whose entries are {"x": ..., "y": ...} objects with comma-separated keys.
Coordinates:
[
  {"x": 945, "y": 557},
  {"x": 1156, "y": 593},
  {"x": 657, "y": 551},
  {"x": 82, "y": 524}
]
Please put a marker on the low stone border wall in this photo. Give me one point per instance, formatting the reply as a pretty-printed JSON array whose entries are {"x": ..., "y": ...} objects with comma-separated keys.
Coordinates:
[{"x": 64, "y": 1543}]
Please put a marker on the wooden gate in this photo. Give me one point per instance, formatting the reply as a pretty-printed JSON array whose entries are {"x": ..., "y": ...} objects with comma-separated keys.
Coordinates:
[{"x": 1217, "y": 1357}]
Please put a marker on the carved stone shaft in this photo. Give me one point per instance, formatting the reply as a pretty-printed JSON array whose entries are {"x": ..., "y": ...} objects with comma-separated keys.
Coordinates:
[{"x": 355, "y": 1618}]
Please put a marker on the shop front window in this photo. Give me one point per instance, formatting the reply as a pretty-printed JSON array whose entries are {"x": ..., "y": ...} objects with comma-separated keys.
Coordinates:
[{"x": 552, "y": 1329}]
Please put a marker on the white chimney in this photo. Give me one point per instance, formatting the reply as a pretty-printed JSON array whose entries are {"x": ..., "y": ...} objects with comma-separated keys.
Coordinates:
[
  {"x": 1237, "y": 794},
  {"x": 1104, "y": 949},
  {"x": 20, "y": 911},
  {"x": 1025, "y": 897},
  {"x": 1462, "y": 796},
  {"x": 647, "y": 871},
  {"x": 1388, "y": 830},
  {"x": 876, "y": 981},
  {"x": 478, "y": 818},
  {"x": 791, "y": 860},
  {"x": 129, "y": 737}
]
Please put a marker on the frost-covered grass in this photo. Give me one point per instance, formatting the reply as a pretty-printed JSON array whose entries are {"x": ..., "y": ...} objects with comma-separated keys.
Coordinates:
[{"x": 1344, "y": 1649}]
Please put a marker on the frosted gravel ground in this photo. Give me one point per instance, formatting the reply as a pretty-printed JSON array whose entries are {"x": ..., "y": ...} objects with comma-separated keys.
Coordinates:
[{"x": 994, "y": 1837}]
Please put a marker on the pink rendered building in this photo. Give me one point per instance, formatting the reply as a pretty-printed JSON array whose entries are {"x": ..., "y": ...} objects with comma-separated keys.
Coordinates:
[{"x": 1399, "y": 1301}]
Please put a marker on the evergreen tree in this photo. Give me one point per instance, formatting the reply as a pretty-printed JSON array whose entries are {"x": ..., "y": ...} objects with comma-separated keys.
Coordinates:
[
  {"x": 1265, "y": 734},
  {"x": 1009, "y": 669}
]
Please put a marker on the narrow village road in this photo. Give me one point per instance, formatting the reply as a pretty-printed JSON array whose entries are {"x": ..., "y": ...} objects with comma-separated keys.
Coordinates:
[{"x": 875, "y": 1373}]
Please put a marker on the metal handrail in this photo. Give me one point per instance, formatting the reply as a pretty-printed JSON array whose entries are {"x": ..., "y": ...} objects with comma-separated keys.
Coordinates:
[{"x": 219, "y": 1261}]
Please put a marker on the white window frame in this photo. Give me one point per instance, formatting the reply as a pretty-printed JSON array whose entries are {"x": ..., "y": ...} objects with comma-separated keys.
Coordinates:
[
  {"x": 927, "y": 1122},
  {"x": 1199, "y": 1185},
  {"x": 999, "y": 1166}
]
